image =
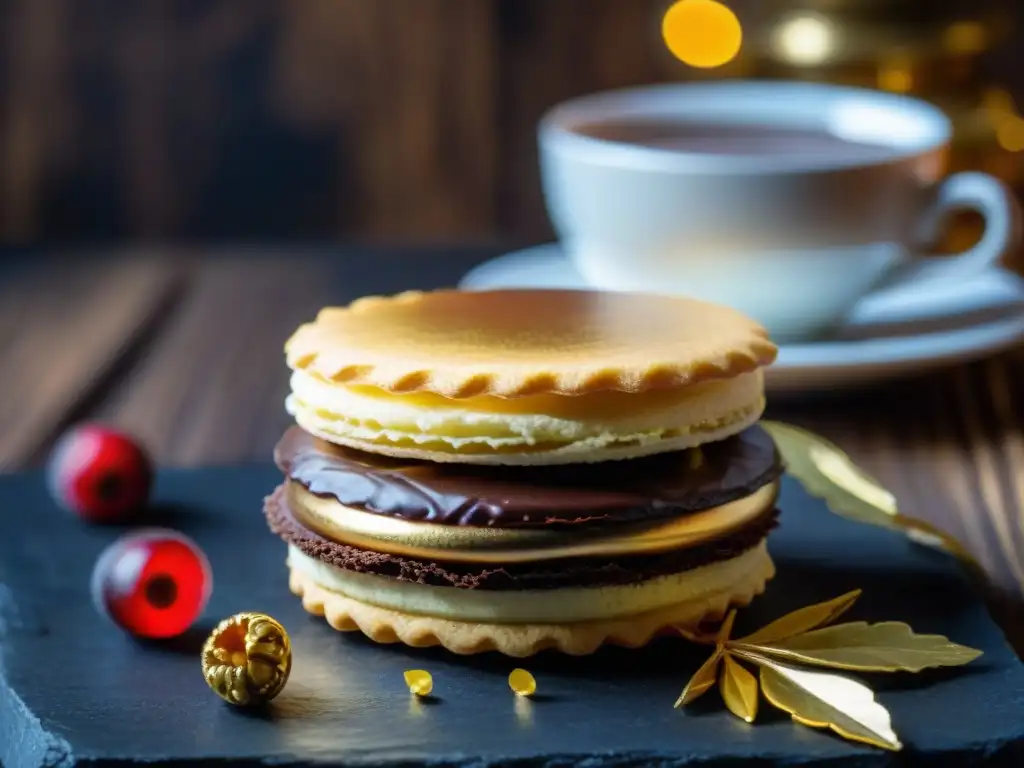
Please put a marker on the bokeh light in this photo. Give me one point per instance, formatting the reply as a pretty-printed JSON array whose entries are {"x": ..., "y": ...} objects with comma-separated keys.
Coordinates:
[
  {"x": 1010, "y": 135},
  {"x": 896, "y": 75},
  {"x": 966, "y": 38},
  {"x": 702, "y": 33},
  {"x": 805, "y": 39},
  {"x": 1005, "y": 119}
]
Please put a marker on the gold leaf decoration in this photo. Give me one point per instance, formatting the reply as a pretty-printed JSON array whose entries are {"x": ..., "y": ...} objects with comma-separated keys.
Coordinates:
[
  {"x": 703, "y": 680},
  {"x": 813, "y": 698},
  {"x": 890, "y": 646},
  {"x": 739, "y": 689},
  {"x": 802, "y": 620},
  {"x": 829, "y": 474},
  {"x": 827, "y": 700},
  {"x": 247, "y": 659},
  {"x": 725, "y": 631}
]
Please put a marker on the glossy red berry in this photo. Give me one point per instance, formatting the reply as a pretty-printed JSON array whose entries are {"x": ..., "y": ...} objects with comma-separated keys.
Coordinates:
[
  {"x": 153, "y": 583},
  {"x": 100, "y": 474}
]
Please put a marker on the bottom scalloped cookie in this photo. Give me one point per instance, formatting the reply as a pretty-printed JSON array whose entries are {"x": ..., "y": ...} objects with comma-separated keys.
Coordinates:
[{"x": 384, "y": 625}]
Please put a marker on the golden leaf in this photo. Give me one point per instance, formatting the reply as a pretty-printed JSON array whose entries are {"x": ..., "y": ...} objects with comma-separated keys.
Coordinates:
[
  {"x": 826, "y": 472},
  {"x": 801, "y": 620},
  {"x": 886, "y": 647},
  {"x": 827, "y": 700},
  {"x": 739, "y": 689},
  {"x": 702, "y": 681},
  {"x": 522, "y": 682},
  {"x": 725, "y": 630}
]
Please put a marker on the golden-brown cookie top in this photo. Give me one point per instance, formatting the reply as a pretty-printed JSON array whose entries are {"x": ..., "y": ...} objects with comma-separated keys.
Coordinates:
[{"x": 513, "y": 343}]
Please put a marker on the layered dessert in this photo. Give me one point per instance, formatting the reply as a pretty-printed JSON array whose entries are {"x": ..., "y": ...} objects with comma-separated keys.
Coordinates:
[{"x": 522, "y": 470}]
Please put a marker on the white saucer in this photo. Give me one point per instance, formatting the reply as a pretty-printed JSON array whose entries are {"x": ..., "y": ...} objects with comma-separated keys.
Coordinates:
[{"x": 827, "y": 365}]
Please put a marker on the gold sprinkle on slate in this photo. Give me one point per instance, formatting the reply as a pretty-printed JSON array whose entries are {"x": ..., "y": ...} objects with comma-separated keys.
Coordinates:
[
  {"x": 522, "y": 682},
  {"x": 419, "y": 681}
]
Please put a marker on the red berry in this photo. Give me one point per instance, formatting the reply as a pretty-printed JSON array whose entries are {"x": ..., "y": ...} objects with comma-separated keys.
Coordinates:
[
  {"x": 99, "y": 474},
  {"x": 153, "y": 583}
]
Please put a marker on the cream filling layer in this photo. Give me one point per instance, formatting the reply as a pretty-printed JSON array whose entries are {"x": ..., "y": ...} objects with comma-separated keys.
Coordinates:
[
  {"x": 536, "y": 422},
  {"x": 458, "y": 543},
  {"x": 700, "y": 586}
]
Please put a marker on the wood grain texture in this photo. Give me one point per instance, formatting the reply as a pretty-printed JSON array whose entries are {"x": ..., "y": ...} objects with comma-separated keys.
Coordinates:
[
  {"x": 186, "y": 352},
  {"x": 268, "y": 118},
  {"x": 201, "y": 394},
  {"x": 555, "y": 51},
  {"x": 258, "y": 119},
  {"x": 407, "y": 88},
  {"x": 64, "y": 328}
]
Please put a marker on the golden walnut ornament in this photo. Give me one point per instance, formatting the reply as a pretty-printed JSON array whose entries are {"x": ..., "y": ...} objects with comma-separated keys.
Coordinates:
[{"x": 247, "y": 659}]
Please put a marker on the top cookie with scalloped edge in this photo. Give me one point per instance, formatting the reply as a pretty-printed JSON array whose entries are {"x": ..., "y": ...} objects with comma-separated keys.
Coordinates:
[{"x": 520, "y": 343}]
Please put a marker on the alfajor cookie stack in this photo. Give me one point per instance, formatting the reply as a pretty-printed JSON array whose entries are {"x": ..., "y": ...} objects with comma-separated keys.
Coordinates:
[{"x": 522, "y": 470}]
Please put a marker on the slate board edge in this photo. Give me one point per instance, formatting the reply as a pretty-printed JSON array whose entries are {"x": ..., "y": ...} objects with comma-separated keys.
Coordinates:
[{"x": 23, "y": 740}]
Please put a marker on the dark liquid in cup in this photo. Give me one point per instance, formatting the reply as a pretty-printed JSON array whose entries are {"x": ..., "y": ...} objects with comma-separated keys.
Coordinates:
[{"x": 712, "y": 139}]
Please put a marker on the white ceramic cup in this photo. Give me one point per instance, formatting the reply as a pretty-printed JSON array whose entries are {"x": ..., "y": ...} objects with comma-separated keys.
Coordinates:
[{"x": 792, "y": 239}]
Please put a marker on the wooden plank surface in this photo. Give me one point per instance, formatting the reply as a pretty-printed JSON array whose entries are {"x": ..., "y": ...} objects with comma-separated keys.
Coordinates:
[
  {"x": 185, "y": 350},
  {"x": 64, "y": 330},
  {"x": 260, "y": 119}
]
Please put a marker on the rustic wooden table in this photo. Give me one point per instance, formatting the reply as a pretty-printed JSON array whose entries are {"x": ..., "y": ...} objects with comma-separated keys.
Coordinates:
[{"x": 184, "y": 349}]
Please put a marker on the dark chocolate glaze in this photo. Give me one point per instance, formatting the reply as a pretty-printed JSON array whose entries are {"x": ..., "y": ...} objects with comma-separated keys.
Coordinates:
[
  {"x": 547, "y": 574},
  {"x": 460, "y": 494}
]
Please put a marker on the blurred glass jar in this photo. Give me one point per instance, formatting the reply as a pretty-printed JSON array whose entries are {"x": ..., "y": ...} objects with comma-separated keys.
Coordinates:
[{"x": 938, "y": 50}]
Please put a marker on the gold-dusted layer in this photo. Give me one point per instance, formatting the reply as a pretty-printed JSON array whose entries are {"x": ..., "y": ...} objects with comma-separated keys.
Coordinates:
[
  {"x": 453, "y": 543},
  {"x": 697, "y": 588}
]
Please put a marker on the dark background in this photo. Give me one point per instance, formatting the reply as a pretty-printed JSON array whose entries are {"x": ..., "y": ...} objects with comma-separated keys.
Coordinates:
[{"x": 405, "y": 120}]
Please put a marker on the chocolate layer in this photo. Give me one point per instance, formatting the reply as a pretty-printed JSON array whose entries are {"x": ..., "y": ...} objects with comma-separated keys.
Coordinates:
[
  {"x": 551, "y": 574},
  {"x": 457, "y": 494}
]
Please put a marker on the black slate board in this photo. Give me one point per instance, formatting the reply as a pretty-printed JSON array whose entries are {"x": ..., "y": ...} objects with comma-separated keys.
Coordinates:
[{"x": 76, "y": 690}]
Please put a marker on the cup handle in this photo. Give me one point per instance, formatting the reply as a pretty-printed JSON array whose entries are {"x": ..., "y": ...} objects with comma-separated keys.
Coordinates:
[{"x": 998, "y": 206}]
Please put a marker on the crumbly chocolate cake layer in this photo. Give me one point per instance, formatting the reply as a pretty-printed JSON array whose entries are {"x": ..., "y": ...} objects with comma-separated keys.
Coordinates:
[
  {"x": 452, "y": 494},
  {"x": 552, "y": 574}
]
